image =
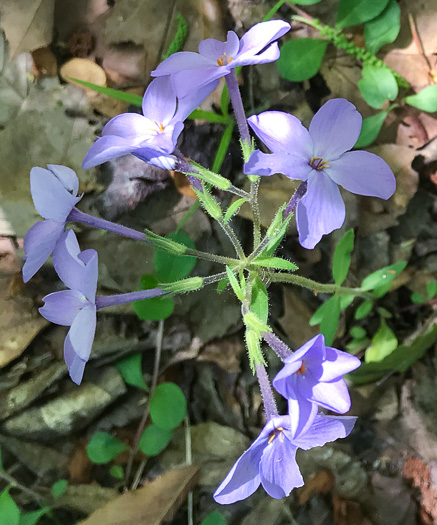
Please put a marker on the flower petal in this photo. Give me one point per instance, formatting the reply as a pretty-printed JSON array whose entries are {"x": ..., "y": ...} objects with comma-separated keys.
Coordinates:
[
  {"x": 302, "y": 413},
  {"x": 131, "y": 127},
  {"x": 214, "y": 49},
  {"x": 335, "y": 128},
  {"x": 39, "y": 243},
  {"x": 337, "y": 364},
  {"x": 282, "y": 132},
  {"x": 293, "y": 167},
  {"x": 182, "y": 61},
  {"x": 159, "y": 101},
  {"x": 363, "y": 173},
  {"x": 66, "y": 262},
  {"x": 271, "y": 54},
  {"x": 186, "y": 82},
  {"x": 67, "y": 176},
  {"x": 193, "y": 100},
  {"x": 165, "y": 162},
  {"x": 243, "y": 478},
  {"x": 106, "y": 148},
  {"x": 81, "y": 333},
  {"x": 259, "y": 36},
  {"x": 52, "y": 200},
  {"x": 332, "y": 396},
  {"x": 324, "y": 430},
  {"x": 90, "y": 274},
  {"x": 75, "y": 365},
  {"x": 279, "y": 471},
  {"x": 320, "y": 211},
  {"x": 62, "y": 307}
]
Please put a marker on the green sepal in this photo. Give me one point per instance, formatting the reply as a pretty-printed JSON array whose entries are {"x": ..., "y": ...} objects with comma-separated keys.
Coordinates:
[
  {"x": 259, "y": 303},
  {"x": 209, "y": 203},
  {"x": 233, "y": 208},
  {"x": 166, "y": 244},
  {"x": 247, "y": 149},
  {"x": 276, "y": 263},
  {"x": 277, "y": 237},
  {"x": 222, "y": 284},
  {"x": 209, "y": 176},
  {"x": 253, "y": 343},
  {"x": 185, "y": 285},
  {"x": 276, "y": 223},
  {"x": 235, "y": 284},
  {"x": 253, "y": 322}
]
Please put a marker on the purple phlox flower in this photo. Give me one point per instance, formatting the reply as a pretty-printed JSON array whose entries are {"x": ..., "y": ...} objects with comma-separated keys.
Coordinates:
[
  {"x": 321, "y": 157},
  {"x": 312, "y": 378},
  {"x": 271, "y": 459},
  {"x": 191, "y": 71},
  {"x": 54, "y": 193},
  {"x": 152, "y": 136},
  {"x": 75, "y": 307}
]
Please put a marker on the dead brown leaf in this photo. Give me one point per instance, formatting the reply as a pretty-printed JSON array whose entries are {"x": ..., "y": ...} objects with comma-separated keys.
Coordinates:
[
  {"x": 348, "y": 512},
  {"x": 420, "y": 476},
  {"x": 182, "y": 184},
  {"x": 321, "y": 483},
  {"x": 156, "y": 502},
  {"x": 28, "y": 24}
]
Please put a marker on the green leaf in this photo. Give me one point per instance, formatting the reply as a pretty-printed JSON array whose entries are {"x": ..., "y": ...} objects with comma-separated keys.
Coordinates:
[
  {"x": 222, "y": 285},
  {"x": 171, "y": 267},
  {"x": 201, "y": 114},
  {"x": 431, "y": 289},
  {"x": 168, "y": 406},
  {"x": 380, "y": 281},
  {"x": 354, "y": 12},
  {"x": 275, "y": 262},
  {"x": 342, "y": 257},
  {"x": 383, "y": 29},
  {"x": 59, "y": 488},
  {"x": 417, "y": 298},
  {"x": 215, "y": 518},
  {"x": 117, "y": 471},
  {"x": 224, "y": 100},
  {"x": 358, "y": 332},
  {"x": 305, "y": 2},
  {"x": 156, "y": 308},
  {"x": 345, "y": 301},
  {"x": 370, "y": 129},
  {"x": 32, "y": 518},
  {"x": 178, "y": 41},
  {"x": 233, "y": 208},
  {"x": 301, "y": 58},
  {"x": 235, "y": 284},
  {"x": 131, "y": 371},
  {"x": 154, "y": 440},
  {"x": 357, "y": 345},
  {"x": 103, "y": 448},
  {"x": 9, "y": 512},
  {"x": 384, "y": 342},
  {"x": 377, "y": 85},
  {"x": 329, "y": 323},
  {"x": 223, "y": 147},
  {"x": 130, "y": 98},
  {"x": 260, "y": 300},
  {"x": 426, "y": 100},
  {"x": 1, "y": 463},
  {"x": 364, "y": 309}
]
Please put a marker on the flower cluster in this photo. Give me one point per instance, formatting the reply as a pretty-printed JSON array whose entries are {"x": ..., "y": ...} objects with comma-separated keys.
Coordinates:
[{"x": 321, "y": 158}]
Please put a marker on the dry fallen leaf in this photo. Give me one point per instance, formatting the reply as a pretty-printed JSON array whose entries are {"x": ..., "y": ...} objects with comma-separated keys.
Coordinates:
[
  {"x": 155, "y": 502},
  {"x": 28, "y": 24},
  {"x": 321, "y": 483},
  {"x": 182, "y": 184}
]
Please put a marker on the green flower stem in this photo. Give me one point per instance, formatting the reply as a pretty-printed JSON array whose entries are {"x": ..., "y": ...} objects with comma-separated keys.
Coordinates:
[
  {"x": 259, "y": 249},
  {"x": 214, "y": 278},
  {"x": 317, "y": 287},
  {"x": 341, "y": 42},
  {"x": 229, "y": 261},
  {"x": 237, "y": 191},
  {"x": 234, "y": 239},
  {"x": 254, "y": 205}
]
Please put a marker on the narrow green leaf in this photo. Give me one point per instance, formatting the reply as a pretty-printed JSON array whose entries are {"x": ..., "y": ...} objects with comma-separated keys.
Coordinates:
[
  {"x": 168, "y": 406},
  {"x": 233, "y": 209},
  {"x": 370, "y": 129},
  {"x": 319, "y": 313},
  {"x": 224, "y": 101},
  {"x": 384, "y": 342},
  {"x": 380, "y": 281},
  {"x": 223, "y": 147},
  {"x": 260, "y": 300},
  {"x": 431, "y": 289},
  {"x": 301, "y": 58},
  {"x": 304, "y": 2},
  {"x": 117, "y": 471},
  {"x": 32, "y": 518},
  {"x": 358, "y": 332},
  {"x": 9, "y": 512},
  {"x": 201, "y": 114},
  {"x": 377, "y": 85},
  {"x": 426, "y": 100},
  {"x": 154, "y": 440},
  {"x": 103, "y": 448},
  {"x": 156, "y": 308},
  {"x": 345, "y": 301},
  {"x": 364, "y": 309},
  {"x": 178, "y": 41},
  {"x": 222, "y": 285},
  {"x": 275, "y": 262},
  {"x": 59, "y": 488},
  {"x": 131, "y": 371},
  {"x": 383, "y": 29},
  {"x": 215, "y": 518},
  {"x": 329, "y": 323},
  {"x": 342, "y": 257},
  {"x": 235, "y": 284},
  {"x": 354, "y": 12},
  {"x": 130, "y": 98},
  {"x": 171, "y": 267},
  {"x": 357, "y": 345}
]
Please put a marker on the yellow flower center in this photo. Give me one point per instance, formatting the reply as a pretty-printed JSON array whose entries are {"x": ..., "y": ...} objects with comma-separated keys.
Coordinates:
[
  {"x": 275, "y": 433},
  {"x": 301, "y": 369},
  {"x": 318, "y": 163},
  {"x": 223, "y": 60}
]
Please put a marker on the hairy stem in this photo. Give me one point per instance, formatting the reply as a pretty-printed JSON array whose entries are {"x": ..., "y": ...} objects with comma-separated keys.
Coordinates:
[
  {"x": 254, "y": 204},
  {"x": 266, "y": 391},
  {"x": 237, "y": 104}
]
